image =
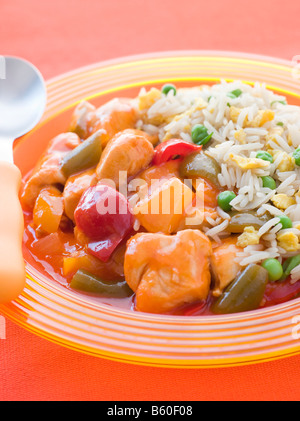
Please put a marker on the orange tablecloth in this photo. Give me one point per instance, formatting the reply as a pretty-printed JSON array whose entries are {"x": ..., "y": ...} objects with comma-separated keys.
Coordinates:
[{"x": 59, "y": 36}]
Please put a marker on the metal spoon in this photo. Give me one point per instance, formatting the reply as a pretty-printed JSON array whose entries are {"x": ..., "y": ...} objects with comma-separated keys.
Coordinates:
[{"x": 22, "y": 103}]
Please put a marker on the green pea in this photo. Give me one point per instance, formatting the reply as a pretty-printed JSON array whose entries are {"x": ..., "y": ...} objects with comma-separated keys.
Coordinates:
[
  {"x": 274, "y": 268},
  {"x": 296, "y": 155},
  {"x": 167, "y": 88},
  {"x": 224, "y": 199},
  {"x": 280, "y": 123},
  {"x": 266, "y": 156},
  {"x": 285, "y": 221},
  {"x": 235, "y": 94},
  {"x": 269, "y": 182},
  {"x": 200, "y": 134}
]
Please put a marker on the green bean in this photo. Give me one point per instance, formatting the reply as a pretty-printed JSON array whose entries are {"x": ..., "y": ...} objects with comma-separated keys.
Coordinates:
[
  {"x": 245, "y": 293},
  {"x": 85, "y": 281},
  {"x": 84, "y": 156},
  {"x": 289, "y": 265},
  {"x": 239, "y": 221}
]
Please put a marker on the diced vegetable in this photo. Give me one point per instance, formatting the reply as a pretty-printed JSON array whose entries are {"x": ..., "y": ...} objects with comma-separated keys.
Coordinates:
[
  {"x": 289, "y": 265},
  {"x": 198, "y": 164},
  {"x": 240, "y": 220},
  {"x": 82, "y": 260},
  {"x": 269, "y": 182},
  {"x": 274, "y": 268},
  {"x": 277, "y": 101},
  {"x": 285, "y": 221},
  {"x": 280, "y": 292},
  {"x": 266, "y": 156},
  {"x": 200, "y": 134},
  {"x": 84, "y": 156},
  {"x": 164, "y": 209},
  {"x": 85, "y": 281},
  {"x": 48, "y": 210},
  {"x": 171, "y": 149},
  {"x": 224, "y": 199},
  {"x": 103, "y": 215},
  {"x": 235, "y": 94},
  {"x": 296, "y": 155},
  {"x": 245, "y": 293},
  {"x": 167, "y": 88}
]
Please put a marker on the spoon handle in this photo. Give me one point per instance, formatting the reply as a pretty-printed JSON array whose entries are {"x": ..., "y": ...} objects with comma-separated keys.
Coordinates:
[{"x": 12, "y": 266}]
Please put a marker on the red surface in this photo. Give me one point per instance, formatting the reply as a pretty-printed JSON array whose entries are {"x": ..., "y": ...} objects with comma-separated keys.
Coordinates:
[{"x": 59, "y": 36}]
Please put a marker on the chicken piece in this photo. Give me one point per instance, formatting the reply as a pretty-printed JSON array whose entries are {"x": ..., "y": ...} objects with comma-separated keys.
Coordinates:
[
  {"x": 130, "y": 150},
  {"x": 82, "y": 119},
  {"x": 75, "y": 187},
  {"x": 114, "y": 116},
  {"x": 166, "y": 271},
  {"x": 223, "y": 264},
  {"x": 47, "y": 171}
]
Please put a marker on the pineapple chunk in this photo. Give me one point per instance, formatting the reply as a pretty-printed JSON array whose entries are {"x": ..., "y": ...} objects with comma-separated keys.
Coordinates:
[{"x": 164, "y": 209}]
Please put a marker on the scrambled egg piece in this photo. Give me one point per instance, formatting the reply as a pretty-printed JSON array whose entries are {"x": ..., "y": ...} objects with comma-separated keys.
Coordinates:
[
  {"x": 262, "y": 117},
  {"x": 287, "y": 162},
  {"x": 288, "y": 241},
  {"x": 240, "y": 136},
  {"x": 248, "y": 163},
  {"x": 234, "y": 113},
  {"x": 289, "y": 140},
  {"x": 146, "y": 100},
  {"x": 283, "y": 201},
  {"x": 249, "y": 237},
  {"x": 271, "y": 136}
]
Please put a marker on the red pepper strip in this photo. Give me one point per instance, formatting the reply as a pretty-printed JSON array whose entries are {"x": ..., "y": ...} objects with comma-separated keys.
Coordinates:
[{"x": 171, "y": 148}]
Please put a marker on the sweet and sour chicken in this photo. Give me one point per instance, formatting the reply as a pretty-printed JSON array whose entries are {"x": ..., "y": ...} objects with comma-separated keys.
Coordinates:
[{"x": 108, "y": 206}]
